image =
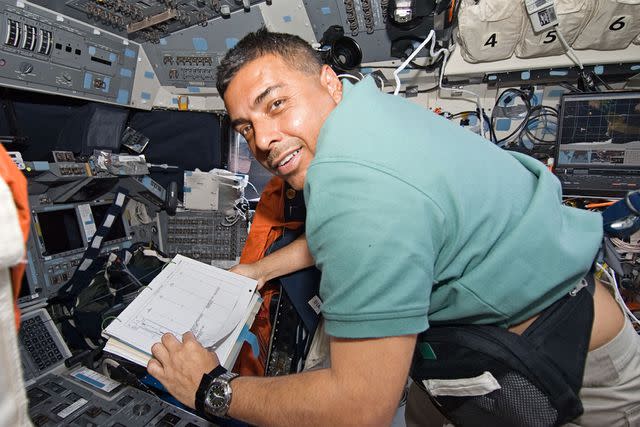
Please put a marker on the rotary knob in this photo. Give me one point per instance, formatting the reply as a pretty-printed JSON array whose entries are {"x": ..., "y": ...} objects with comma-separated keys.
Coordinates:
[
  {"x": 26, "y": 68},
  {"x": 141, "y": 409}
]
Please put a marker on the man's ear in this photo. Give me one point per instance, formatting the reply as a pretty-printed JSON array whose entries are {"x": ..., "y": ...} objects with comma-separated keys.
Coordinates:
[{"x": 329, "y": 79}]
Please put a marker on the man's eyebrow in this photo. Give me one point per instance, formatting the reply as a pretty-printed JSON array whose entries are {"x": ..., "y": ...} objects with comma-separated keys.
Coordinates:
[
  {"x": 265, "y": 93},
  {"x": 259, "y": 99}
]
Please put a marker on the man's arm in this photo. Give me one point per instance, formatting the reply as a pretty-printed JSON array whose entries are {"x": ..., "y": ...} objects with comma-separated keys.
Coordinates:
[
  {"x": 362, "y": 387},
  {"x": 293, "y": 257}
]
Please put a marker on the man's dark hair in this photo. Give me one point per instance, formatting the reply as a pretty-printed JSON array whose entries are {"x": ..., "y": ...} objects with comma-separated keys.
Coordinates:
[{"x": 291, "y": 48}]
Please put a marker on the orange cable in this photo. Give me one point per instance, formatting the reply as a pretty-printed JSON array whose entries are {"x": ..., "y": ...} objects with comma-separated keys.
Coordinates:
[{"x": 599, "y": 205}]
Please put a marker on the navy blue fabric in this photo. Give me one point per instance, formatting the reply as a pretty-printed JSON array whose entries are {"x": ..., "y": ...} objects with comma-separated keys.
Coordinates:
[{"x": 300, "y": 286}]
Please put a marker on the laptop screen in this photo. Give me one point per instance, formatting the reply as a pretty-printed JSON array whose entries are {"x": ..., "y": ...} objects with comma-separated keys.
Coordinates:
[{"x": 599, "y": 131}]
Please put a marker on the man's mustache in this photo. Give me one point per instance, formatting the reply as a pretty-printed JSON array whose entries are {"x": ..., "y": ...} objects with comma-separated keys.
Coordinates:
[{"x": 282, "y": 147}]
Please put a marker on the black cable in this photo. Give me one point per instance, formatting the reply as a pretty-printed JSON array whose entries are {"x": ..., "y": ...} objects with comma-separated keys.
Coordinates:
[
  {"x": 463, "y": 113},
  {"x": 537, "y": 113},
  {"x": 605, "y": 84},
  {"x": 382, "y": 66},
  {"x": 526, "y": 99},
  {"x": 431, "y": 89},
  {"x": 435, "y": 64},
  {"x": 571, "y": 87},
  {"x": 492, "y": 130},
  {"x": 492, "y": 134}
]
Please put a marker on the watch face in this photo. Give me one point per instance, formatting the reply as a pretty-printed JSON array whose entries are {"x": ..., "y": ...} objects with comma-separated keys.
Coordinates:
[
  {"x": 217, "y": 394},
  {"x": 217, "y": 399}
]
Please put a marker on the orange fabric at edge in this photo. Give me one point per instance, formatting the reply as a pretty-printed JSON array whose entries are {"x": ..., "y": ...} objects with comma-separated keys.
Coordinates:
[
  {"x": 268, "y": 224},
  {"x": 17, "y": 183}
]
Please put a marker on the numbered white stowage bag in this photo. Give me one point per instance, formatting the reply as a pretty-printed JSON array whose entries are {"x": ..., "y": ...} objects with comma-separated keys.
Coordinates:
[
  {"x": 490, "y": 29},
  {"x": 613, "y": 25},
  {"x": 573, "y": 15}
]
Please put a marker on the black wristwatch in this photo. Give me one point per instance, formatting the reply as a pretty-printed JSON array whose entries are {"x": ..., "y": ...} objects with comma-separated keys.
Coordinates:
[{"x": 213, "y": 397}]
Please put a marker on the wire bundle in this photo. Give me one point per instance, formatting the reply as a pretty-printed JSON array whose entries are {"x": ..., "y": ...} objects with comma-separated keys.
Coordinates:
[{"x": 534, "y": 115}]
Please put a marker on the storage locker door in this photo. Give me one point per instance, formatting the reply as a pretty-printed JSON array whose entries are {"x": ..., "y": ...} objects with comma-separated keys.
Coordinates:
[
  {"x": 573, "y": 15},
  {"x": 613, "y": 25},
  {"x": 490, "y": 29}
]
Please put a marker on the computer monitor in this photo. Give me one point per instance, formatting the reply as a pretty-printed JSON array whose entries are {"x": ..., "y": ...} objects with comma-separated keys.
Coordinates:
[
  {"x": 25, "y": 289},
  {"x": 117, "y": 230},
  {"x": 30, "y": 292},
  {"x": 60, "y": 231},
  {"x": 598, "y": 144}
]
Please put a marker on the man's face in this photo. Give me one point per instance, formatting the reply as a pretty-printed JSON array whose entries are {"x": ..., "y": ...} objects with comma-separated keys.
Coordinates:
[{"x": 279, "y": 111}]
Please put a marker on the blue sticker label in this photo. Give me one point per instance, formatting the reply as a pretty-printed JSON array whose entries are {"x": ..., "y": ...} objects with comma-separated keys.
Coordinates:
[
  {"x": 503, "y": 124},
  {"x": 41, "y": 166},
  {"x": 525, "y": 75},
  {"x": 556, "y": 93},
  {"x": 174, "y": 101},
  {"x": 231, "y": 42},
  {"x": 163, "y": 41},
  {"x": 598, "y": 69},
  {"x": 88, "y": 78},
  {"x": 145, "y": 95},
  {"x": 536, "y": 99},
  {"x": 287, "y": 18},
  {"x": 149, "y": 74},
  {"x": 92, "y": 50},
  {"x": 558, "y": 72},
  {"x": 325, "y": 10},
  {"x": 88, "y": 380},
  {"x": 125, "y": 72},
  {"x": 129, "y": 53},
  {"x": 200, "y": 44},
  {"x": 113, "y": 57},
  {"x": 123, "y": 96},
  {"x": 193, "y": 89},
  {"x": 107, "y": 82}
]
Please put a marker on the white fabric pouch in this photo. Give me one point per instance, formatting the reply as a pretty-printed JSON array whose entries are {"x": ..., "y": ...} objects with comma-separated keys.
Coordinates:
[
  {"x": 572, "y": 15},
  {"x": 614, "y": 24}
]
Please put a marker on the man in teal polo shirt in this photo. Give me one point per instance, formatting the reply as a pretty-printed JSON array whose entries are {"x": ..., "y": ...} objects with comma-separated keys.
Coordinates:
[{"x": 412, "y": 220}]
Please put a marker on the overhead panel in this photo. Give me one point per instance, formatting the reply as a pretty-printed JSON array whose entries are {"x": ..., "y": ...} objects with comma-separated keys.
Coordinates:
[
  {"x": 147, "y": 20},
  {"x": 44, "y": 51},
  {"x": 188, "y": 58}
]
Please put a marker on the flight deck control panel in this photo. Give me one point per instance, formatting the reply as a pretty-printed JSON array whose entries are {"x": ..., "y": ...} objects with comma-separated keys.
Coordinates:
[{"x": 44, "y": 51}]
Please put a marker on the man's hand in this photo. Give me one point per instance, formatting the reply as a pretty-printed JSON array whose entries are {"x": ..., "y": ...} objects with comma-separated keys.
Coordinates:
[
  {"x": 179, "y": 366},
  {"x": 293, "y": 257},
  {"x": 251, "y": 270}
]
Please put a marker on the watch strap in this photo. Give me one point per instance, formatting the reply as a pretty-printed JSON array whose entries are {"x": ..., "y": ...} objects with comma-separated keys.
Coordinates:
[{"x": 205, "y": 382}]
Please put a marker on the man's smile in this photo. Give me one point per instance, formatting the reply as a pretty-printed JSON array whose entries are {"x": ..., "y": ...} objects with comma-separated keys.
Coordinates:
[{"x": 287, "y": 161}]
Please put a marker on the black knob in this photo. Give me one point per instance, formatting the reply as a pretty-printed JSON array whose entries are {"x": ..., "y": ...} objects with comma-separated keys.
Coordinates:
[
  {"x": 141, "y": 409},
  {"x": 26, "y": 68}
]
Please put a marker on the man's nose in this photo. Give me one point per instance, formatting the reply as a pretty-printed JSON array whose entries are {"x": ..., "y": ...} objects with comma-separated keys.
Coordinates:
[{"x": 266, "y": 134}]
